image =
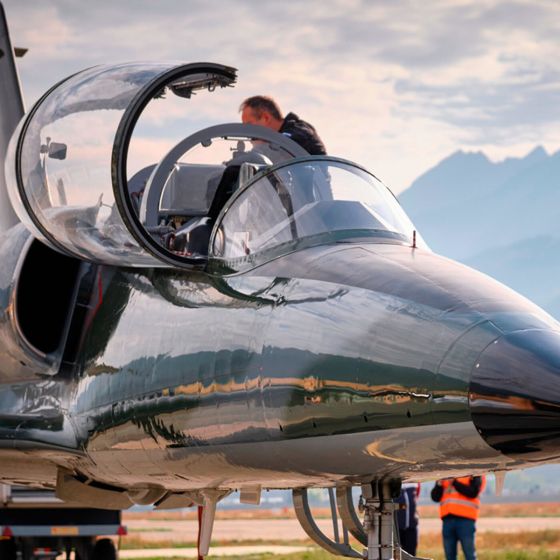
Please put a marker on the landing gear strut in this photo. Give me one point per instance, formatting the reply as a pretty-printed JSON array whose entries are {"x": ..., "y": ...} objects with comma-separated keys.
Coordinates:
[
  {"x": 378, "y": 509},
  {"x": 377, "y": 532}
]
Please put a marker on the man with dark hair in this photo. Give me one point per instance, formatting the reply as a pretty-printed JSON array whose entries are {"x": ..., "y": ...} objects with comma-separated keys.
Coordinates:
[{"x": 264, "y": 111}]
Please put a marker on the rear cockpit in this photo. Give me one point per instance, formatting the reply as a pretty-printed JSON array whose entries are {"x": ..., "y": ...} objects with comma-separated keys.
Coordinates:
[{"x": 183, "y": 195}]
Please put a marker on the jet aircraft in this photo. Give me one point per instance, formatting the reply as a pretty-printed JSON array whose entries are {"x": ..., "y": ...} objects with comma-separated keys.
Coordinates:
[{"x": 304, "y": 337}]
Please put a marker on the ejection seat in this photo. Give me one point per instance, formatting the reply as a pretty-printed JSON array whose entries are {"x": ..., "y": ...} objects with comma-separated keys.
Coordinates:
[
  {"x": 182, "y": 201},
  {"x": 197, "y": 193},
  {"x": 194, "y": 235},
  {"x": 187, "y": 194}
]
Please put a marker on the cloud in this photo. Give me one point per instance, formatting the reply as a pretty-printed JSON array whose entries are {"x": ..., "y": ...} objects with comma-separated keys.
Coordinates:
[
  {"x": 525, "y": 102},
  {"x": 403, "y": 79}
]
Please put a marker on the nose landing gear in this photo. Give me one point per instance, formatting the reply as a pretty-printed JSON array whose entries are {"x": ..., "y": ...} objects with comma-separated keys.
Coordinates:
[{"x": 377, "y": 532}]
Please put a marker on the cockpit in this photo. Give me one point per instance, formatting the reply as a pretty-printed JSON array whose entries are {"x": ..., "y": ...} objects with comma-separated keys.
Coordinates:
[
  {"x": 262, "y": 201},
  {"x": 304, "y": 202},
  {"x": 103, "y": 169},
  {"x": 181, "y": 197}
]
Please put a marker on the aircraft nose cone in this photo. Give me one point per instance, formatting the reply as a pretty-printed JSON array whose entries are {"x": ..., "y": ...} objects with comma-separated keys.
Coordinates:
[{"x": 515, "y": 394}]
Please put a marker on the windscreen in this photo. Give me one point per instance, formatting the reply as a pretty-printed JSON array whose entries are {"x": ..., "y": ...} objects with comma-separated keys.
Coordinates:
[{"x": 310, "y": 201}]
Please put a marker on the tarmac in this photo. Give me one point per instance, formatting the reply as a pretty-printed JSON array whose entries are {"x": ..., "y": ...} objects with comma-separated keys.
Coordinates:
[
  {"x": 289, "y": 530},
  {"x": 214, "y": 551},
  {"x": 232, "y": 530}
]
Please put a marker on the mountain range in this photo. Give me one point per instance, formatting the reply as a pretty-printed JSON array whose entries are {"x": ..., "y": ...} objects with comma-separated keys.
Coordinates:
[{"x": 502, "y": 218}]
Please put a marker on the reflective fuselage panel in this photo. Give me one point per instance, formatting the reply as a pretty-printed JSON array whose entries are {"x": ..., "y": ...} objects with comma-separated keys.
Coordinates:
[{"x": 333, "y": 363}]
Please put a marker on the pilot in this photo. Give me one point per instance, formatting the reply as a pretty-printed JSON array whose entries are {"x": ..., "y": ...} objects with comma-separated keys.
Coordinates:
[{"x": 264, "y": 111}]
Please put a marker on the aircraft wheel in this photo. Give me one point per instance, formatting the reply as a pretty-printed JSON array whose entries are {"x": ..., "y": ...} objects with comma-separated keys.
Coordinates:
[
  {"x": 104, "y": 549},
  {"x": 83, "y": 548},
  {"x": 8, "y": 549}
]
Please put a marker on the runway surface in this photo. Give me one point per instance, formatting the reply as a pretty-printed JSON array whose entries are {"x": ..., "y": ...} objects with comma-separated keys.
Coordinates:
[
  {"x": 278, "y": 530},
  {"x": 289, "y": 529},
  {"x": 214, "y": 551}
]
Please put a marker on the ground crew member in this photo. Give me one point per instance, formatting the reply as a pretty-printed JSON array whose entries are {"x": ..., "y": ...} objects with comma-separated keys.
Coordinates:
[
  {"x": 407, "y": 517},
  {"x": 459, "y": 504}
]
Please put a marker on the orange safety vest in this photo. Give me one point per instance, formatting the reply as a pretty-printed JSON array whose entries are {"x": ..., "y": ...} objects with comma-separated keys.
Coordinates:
[{"x": 454, "y": 503}]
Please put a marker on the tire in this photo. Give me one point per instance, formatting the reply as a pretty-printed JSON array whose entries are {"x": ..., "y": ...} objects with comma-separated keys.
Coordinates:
[
  {"x": 8, "y": 549},
  {"x": 83, "y": 548},
  {"x": 104, "y": 549}
]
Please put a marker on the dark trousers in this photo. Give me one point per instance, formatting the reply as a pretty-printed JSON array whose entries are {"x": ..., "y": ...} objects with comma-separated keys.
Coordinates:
[
  {"x": 459, "y": 529},
  {"x": 409, "y": 539}
]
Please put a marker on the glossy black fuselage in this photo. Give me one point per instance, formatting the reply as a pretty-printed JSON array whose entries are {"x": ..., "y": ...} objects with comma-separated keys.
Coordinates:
[{"x": 334, "y": 363}]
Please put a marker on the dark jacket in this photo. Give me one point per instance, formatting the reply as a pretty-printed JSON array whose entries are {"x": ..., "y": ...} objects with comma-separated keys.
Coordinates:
[
  {"x": 303, "y": 133},
  {"x": 407, "y": 516}
]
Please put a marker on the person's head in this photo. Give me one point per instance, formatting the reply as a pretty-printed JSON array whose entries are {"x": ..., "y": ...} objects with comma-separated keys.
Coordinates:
[{"x": 261, "y": 110}]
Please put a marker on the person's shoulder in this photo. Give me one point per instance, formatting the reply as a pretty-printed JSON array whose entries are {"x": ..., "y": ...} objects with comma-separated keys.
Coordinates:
[
  {"x": 303, "y": 133},
  {"x": 293, "y": 121},
  {"x": 292, "y": 117}
]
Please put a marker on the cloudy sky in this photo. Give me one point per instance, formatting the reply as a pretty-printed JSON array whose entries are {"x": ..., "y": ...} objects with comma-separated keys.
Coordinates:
[{"x": 393, "y": 85}]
